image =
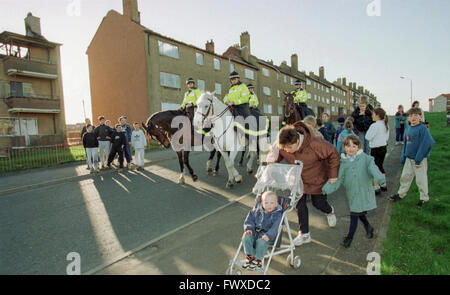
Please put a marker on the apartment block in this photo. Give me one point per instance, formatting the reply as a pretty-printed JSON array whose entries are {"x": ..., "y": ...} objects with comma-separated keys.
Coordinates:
[
  {"x": 32, "y": 107},
  {"x": 136, "y": 71}
]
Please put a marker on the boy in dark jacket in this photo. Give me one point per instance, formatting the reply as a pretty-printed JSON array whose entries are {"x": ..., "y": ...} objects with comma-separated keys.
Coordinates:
[
  {"x": 103, "y": 133},
  {"x": 363, "y": 120},
  {"x": 118, "y": 141},
  {"x": 329, "y": 127},
  {"x": 261, "y": 224},
  {"x": 90, "y": 144}
]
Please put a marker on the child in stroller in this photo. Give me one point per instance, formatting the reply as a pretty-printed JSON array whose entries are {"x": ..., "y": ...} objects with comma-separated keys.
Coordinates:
[{"x": 261, "y": 228}]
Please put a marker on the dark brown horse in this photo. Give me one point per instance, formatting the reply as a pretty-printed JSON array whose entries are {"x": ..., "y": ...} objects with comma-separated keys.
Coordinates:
[
  {"x": 159, "y": 127},
  {"x": 292, "y": 112}
]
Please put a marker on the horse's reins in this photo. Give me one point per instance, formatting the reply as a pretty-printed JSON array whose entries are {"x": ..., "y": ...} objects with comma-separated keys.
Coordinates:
[{"x": 211, "y": 109}]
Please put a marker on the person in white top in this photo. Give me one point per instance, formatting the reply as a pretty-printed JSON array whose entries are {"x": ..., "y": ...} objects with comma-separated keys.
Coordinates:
[
  {"x": 139, "y": 142},
  {"x": 378, "y": 136}
]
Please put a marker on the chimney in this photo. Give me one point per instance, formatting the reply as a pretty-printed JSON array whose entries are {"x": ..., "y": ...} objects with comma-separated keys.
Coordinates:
[
  {"x": 210, "y": 46},
  {"x": 311, "y": 74},
  {"x": 294, "y": 62},
  {"x": 322, "y": 72},
  {"x": 130, "y": 10},
  {"x": 32, "y": 26},
  {"x": 245, "y": 42},
  {"x": 339, "y": 81},
  {"x": 344, "y": 81}
]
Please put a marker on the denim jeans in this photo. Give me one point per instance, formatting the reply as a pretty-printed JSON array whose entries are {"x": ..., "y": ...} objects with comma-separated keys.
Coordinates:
[
  {"x": 261, "y": 246},
  {"x": 364, "y": 142}
]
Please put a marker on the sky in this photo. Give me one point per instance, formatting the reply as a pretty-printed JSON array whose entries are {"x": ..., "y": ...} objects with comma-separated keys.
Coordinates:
[{"x": 370, "y": 42}]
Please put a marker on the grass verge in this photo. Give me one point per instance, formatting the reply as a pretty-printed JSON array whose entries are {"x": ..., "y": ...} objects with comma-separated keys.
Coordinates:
[{"x": 417, "y": 240}]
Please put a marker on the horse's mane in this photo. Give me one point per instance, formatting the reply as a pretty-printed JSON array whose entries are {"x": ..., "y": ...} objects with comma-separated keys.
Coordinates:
[{"x": 164, "y": 114}]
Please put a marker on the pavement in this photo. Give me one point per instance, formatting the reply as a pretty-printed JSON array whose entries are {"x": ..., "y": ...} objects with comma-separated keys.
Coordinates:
[{"x": 134, "y": 222}]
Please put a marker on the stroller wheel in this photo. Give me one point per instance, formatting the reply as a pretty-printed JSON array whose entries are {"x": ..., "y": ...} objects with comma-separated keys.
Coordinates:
[{"x": 296, "y": 263}]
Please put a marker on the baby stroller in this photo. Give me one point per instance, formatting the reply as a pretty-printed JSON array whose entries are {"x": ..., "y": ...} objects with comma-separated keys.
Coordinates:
[{"x": 284, "y": 180}]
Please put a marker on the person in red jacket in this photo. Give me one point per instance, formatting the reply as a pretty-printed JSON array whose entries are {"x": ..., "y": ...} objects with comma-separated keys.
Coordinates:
[{"x": 320, "y": 164}]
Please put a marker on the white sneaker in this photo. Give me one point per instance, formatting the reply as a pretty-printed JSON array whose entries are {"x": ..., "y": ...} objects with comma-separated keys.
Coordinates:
[
  {"x": 302, "y": 239},
  {"x": 331, "y": 218}
]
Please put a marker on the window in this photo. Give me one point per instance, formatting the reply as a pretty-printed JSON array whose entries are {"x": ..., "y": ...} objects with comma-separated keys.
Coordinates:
[
  {"x": 169, "y": 80},
  {"x": 268, "y": 108},
  {"x": 199, "y": 58},
  {"x": 285, "y": 79},
  {"x": 332, "y": 98},
  {"x": 21, "y": 89},
  {"x": 278, "y": 93},
  {"x": 168, "y": 49},
  {"x": 249, "y": 74},
  {"x": 201, "y": 85},
  {"x": 328, "y": 101},
  {"x": 314, "y": 84},
  {"x": 328, "y": 90},
  {"x": 292, "y": 81},
  {"x": 332, "y": 108},
  {"x": 265, "y": 72},
  {"x": 332, "y": 88},
  {"x": 216, "y": 64},
  {"x": 231, "y": 67},
  {"x": 315, "y": 97},
  {"x": 309, "y": 95},
  {"x": 278, "y": 76},
  {"x": 166, "y": 106},
  {"x": 218, "y": 88},
  {"x": 266, "y": 90},
  {"x": 280, "y": 110},
  {"x": 308, "y": 82}
]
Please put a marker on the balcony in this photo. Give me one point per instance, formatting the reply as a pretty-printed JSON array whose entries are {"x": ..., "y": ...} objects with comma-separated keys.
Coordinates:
[
  {"x": 15, "y": 66},
  {"x": 37, "y": 104}
]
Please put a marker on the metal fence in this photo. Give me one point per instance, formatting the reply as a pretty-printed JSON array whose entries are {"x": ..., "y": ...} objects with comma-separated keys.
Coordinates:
[{"x": 13, "y": 159}]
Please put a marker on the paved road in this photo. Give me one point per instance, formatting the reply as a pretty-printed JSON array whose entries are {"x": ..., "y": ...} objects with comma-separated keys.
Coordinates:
[
  {"x": 145, "y": 223},
  {"x": 104, "y": 216}
]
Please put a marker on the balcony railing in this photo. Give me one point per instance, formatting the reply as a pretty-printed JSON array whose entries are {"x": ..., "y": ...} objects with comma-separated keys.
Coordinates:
[{"x": 30, "y": 68}]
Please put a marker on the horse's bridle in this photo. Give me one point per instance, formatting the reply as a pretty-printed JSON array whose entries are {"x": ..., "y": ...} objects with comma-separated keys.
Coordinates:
[
  {"x": 291, "y": 109},
  {"x": 161, "y": 133},
  {"x": 211, "y": 109}
]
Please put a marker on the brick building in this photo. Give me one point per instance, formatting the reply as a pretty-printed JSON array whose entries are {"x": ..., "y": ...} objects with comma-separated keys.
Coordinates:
[
  {"x": 136, "y": 71},
  {"x": 32, "y": 101}
]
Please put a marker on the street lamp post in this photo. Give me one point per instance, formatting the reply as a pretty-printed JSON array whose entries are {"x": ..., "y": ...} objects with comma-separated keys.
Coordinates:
[{"x": 406, "y": 78}]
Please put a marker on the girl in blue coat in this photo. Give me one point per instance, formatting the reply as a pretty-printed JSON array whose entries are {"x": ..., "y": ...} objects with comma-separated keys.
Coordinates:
[
  {"x": 261, "y": 227},
  {"x": 356, "y": 172}
]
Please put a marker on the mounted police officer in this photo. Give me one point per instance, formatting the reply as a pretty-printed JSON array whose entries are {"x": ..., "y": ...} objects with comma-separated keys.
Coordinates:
[
  {"x": 238, "y": 96},
  {"x": 190, "y": 98},
  {"x": 300, "y": 99}
]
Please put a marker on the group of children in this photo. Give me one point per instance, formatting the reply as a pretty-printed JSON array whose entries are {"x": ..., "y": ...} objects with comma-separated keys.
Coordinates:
[
  {"x": 360, "y": 171},
  {"x": 112, "y": 142}
]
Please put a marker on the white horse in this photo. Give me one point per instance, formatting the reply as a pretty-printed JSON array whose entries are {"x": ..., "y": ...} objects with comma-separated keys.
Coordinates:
[{"x": 211, "y": 112}]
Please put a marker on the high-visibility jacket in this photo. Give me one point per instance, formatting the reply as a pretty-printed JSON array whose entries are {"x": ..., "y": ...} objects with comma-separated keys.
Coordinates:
[
  {"x": 301, "y": 96},
  {"x": 253, "y": 100},
  {"x": 191, "y": 96},
  {"x": 238, "y": 94}
]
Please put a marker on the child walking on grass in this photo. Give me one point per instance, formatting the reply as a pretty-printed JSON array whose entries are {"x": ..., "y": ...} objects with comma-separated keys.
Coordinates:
[
  {"x": 418, "y": 144},
  {"x": 356, "y": 172}
]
